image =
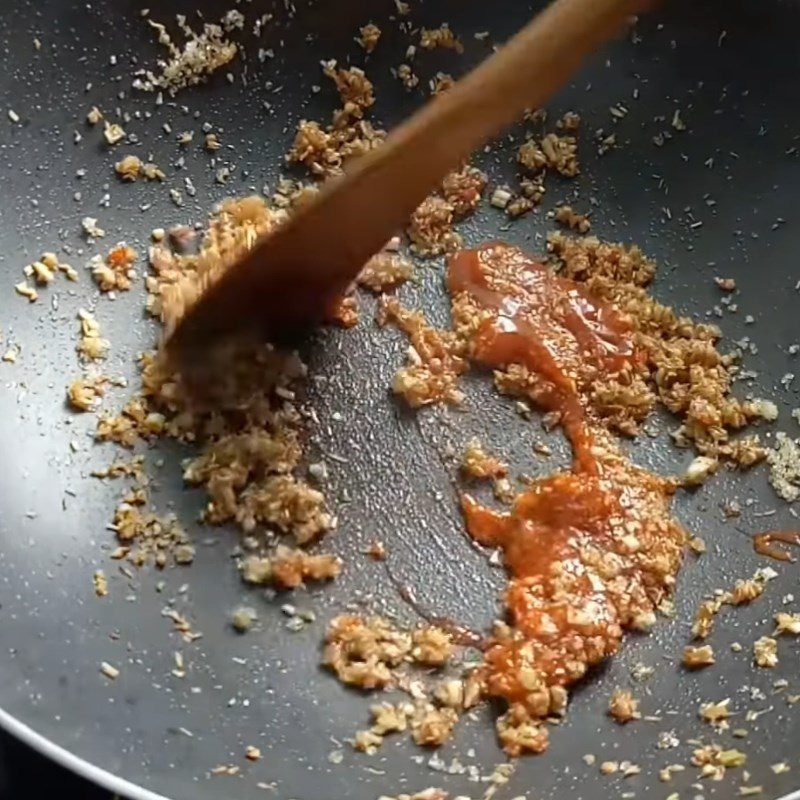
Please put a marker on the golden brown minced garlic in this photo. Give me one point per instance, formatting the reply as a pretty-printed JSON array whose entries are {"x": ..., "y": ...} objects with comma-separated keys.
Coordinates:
[
  {"x": 432, "y": 722},
  {"x": 289, "y": 567},
  {"x": 477, "y": 463},
  {"x": 443, "y": 36},
  {"x": 92, "y": 346},
  {"x": 623, "y": 706},
  {"x": 247, "y": 430},
  {"x": 385, "y": 270},
  {"x": 132, "y": 167},
  {"x": 698, "y": 657},
  {"x": 715, "y": 713},
  {"x": 431, "y": 228},
  {"x": 765, "y": 652},
  {"x": 372, "y": 653},
  {"x": 368, "y": 36},
  {"x": 434, "y": 359},
  {"x": 363, "y": 652},
  {"x": 442, "y": 82},
  {"x": 565, "y": 215},
  {"x": 324, "y": 150},
  {"x": 407, "y": 76},
  {"x": 743, "y": 592},
  {"x": 787, "y": 623},
  {"x": 553, "y": 152},
  {"x": 115, "y": 270},
  {"x": 688, "y": 374},
  {"x": 85, "y": 394}
]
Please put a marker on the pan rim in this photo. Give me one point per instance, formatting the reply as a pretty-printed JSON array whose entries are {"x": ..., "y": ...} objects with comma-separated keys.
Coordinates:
[
  {"x": 108, "y": 780},
  {"x": 85, "y": 769}
]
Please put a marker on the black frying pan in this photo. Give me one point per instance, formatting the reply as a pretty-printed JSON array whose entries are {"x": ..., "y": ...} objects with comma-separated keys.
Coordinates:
[{"x": 732, "y": 70}]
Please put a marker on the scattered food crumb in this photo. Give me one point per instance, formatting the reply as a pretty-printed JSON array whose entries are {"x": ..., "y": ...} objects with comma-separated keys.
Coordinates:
[
  {"x": 243, "y": 618},
  {"x": 765, "y": 652},
  {"x": 100, "y": 583},
  {"x": 431, "y": 38},
  {"x": 26, "y": 291},
  {"x": 252, "y": 753},
  {"x": 577, "y": 222},
  {"x": 113, "y": 133},
  {"x": 111, "y": 672}
]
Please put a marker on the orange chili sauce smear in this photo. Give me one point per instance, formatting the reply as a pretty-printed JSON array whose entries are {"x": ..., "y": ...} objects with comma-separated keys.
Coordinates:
[
  {"x": 550, "y": 325},
  {"x": 591, "y": 551},
  {"x": 764, "y": 544}
]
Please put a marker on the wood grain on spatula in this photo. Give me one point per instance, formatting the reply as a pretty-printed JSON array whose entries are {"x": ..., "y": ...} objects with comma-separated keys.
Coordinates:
[{"x": 289, "y": 277}]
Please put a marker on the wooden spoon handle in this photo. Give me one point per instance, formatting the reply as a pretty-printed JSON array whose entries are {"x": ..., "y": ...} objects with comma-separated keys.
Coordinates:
[{"x": 287, "y": 278}]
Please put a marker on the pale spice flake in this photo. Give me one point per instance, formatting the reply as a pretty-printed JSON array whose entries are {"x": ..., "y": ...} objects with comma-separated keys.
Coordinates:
[
  {"x": 697, "y": 545},
  {"x": 442, "y": 82},
  {"x": 228, "y": 770},
  {"x": 699, "y": 470},
  {"x": 128, "y": 168}
]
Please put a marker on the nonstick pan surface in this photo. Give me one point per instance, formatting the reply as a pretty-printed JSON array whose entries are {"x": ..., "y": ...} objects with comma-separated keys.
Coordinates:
[{"x": 730, "y": 68}]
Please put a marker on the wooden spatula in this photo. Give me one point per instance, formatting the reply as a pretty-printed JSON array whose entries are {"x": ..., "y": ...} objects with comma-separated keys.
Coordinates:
[{"x": 289, "y": 277}]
